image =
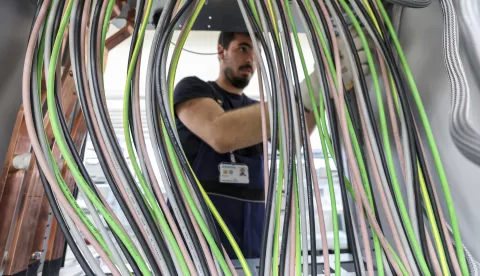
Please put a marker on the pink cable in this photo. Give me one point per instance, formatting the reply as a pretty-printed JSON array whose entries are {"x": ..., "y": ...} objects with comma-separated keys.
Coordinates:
[
  {"x": 97, "y": 132},
  {"x": 292, "y": 218},
  {"x": 431, "y": 250},
  {"x": 321, "y": 217},
  {"x": 229, "y": 263},
  {"x": 383, "y": 199},
  {"x": 391, "y": 109},
  {"x": 264, "y": 133},
  {"x": 443, "y": 222},
  {"x": 36, "y": 146},
  {"x": 340, "y": 103}
]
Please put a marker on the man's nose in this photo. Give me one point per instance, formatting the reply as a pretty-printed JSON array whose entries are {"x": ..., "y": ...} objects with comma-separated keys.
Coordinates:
[{"x": 251, "y": 59}]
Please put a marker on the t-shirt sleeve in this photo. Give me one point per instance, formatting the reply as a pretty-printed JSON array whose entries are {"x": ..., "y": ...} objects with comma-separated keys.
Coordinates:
[
  {"x": 251, "y": 101},
  {"x": 191, "y": 88}
]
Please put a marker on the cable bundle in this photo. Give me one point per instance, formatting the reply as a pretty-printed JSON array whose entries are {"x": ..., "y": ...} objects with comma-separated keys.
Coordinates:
[{"x": 181, "y": 237}]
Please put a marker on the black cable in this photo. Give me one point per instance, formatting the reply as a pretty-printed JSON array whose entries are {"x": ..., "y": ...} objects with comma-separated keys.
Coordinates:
[
  {"x": 133, "y": 126},
  {"x": 48, "y": 190},
  {"x": 274, "y": 145},
  {"x": 61, "y": 222},
  {"x": 421, "y": 159},
  {"x": 283, "y": 74},
  {"x": 86, "y": 176},
  {"x": 159, "y": 47},
  {"x": 117, "y": 152},
  {"x": 335, "y": 135},
  {"x": 78, "y": 160},
  {"x": 304, "y": 137},
  {"x": 387, "y": 52},
  {"x": 136, "y": 29},
  {"x": 170, "y": 176},
  {"x": 78, "y": 73}
]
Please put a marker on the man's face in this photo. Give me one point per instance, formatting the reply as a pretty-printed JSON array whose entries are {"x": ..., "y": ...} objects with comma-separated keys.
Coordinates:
[{"x": 237, "y": 62}]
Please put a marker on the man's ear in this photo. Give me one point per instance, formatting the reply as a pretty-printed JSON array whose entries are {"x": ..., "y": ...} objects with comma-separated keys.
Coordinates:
[{"x": 220, "y": 51}]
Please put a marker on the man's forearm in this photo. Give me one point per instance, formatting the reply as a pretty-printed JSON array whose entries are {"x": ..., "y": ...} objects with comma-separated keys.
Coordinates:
[{"x": 241, "y": 128}]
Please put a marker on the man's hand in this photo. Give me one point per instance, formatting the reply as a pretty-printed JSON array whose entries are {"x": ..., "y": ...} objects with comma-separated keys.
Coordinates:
[{"x": 347, "y": 74}]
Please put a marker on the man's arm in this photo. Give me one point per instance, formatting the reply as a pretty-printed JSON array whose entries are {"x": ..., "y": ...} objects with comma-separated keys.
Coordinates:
[
  {"x": 226, "y": 131},
  {"x": 223, "y": 131},
  {"x": 311, "y": 124}
]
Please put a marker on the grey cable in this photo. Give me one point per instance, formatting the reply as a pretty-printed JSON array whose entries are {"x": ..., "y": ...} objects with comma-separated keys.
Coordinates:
[{"x": 465, "y": 137}]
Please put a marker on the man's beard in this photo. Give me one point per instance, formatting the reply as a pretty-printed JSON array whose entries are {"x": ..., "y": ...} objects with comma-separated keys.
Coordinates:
[{"x": 237, "y": 81}]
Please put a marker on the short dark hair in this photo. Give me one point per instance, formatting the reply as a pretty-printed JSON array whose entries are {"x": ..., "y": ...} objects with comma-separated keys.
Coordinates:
[{"x": 225, "y": 38}]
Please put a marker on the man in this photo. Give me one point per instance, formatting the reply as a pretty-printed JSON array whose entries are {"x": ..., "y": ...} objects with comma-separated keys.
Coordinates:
[{"x": 220, "y": 129}]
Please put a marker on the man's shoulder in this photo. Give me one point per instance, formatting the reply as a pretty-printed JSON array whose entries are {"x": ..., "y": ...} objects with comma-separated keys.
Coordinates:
[
  {"x": 250, "y": 100},
  {"x": 192, "y": 80},
  {"x": 190, "y": 88}
]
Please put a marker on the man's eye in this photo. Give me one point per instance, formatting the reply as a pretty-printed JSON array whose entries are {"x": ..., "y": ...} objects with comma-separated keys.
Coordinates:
[{"x": 243, "y": 49}]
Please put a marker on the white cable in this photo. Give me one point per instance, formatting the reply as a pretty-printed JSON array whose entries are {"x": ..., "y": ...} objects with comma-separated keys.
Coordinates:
[
  {"x": 469, "y": 12},
  {"x": 465, "y": 137},
  {"x": 412, "y": 3},
  {"x": 382, "y": 172},
  {"x": 473, "y": 264}
]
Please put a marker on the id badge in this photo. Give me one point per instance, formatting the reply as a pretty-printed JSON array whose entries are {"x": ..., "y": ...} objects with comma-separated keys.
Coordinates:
[{"x": 233, "y": 173}]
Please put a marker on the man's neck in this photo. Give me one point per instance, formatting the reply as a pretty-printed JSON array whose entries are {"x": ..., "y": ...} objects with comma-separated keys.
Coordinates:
[{"x": 226, "y": 85}]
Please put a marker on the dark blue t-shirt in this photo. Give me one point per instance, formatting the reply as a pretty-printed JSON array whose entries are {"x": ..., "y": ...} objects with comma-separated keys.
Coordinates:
[{"x": 193, "y": 87}]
